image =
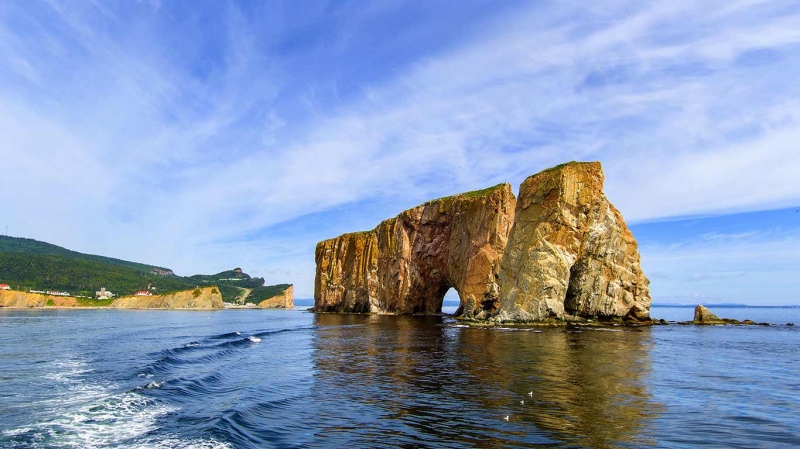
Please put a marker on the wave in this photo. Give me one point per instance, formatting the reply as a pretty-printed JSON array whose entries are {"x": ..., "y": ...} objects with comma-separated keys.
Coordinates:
[
  {"x": 225, "y": 336},
  {"x": 177, "y": 443},
  {"x": 90, "y": 413}
]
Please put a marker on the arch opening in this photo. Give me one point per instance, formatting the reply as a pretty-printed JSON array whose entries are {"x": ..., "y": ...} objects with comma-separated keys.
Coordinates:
[{"x": 450, "y": 302}]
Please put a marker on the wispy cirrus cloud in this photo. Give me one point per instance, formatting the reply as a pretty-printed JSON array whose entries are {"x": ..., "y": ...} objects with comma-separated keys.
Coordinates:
[{"x": 207, "y": 136}]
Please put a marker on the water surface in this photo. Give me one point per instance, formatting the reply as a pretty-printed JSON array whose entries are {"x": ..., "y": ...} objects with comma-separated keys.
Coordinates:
[{"x": 261, "y": 378}]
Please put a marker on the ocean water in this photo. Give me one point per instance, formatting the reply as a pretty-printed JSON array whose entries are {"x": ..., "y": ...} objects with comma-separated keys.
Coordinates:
[{"x": 262, "y": 378}]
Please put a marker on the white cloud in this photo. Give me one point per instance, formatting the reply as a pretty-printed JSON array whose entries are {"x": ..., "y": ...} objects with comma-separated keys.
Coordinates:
[
  {"x": 198, "y": 165},
  {"x": 749, "y": 270}
]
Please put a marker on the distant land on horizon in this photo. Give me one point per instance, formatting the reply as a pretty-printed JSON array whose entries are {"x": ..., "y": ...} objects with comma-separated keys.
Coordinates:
[
  {"x": 724, "y": 305},
  {"x": 28, "y": 264}
]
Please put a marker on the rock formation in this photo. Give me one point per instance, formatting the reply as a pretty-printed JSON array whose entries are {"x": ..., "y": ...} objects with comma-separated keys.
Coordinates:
[
  {"x": 199, "y": 298},
  {"x": 283, "y": 300},
  {"x": 704, "y": 316},
  {"x": 570, "y": 253},
  {"x": 561, "y": 252},
  {"x": 408, "y": 263},
  {"x": 18, "y": 299}
]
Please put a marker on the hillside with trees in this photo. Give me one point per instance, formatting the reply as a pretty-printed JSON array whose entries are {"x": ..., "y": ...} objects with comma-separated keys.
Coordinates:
[{"x": 27, "y": 264}]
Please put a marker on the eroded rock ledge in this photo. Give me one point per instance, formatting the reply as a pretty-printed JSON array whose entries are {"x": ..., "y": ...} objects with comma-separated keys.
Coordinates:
[
  {"x": 205, "y": 298},
  {"x": 560, "y": 253}
]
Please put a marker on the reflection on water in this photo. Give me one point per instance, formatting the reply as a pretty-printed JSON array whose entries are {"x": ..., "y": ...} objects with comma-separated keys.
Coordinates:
[
  {"x": 286, "y": 379},
  {"x": 410, "y": 381}
]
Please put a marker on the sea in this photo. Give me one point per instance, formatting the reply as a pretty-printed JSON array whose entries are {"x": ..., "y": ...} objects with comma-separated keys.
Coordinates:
[{"x": 293, "y": 379}]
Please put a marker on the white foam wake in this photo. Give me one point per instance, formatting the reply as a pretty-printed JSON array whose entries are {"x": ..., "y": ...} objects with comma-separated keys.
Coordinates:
[{"x": 91, "y": 413}]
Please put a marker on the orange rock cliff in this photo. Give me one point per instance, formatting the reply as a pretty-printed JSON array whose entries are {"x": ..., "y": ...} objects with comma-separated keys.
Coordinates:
[{"x": 560, "y": 252}]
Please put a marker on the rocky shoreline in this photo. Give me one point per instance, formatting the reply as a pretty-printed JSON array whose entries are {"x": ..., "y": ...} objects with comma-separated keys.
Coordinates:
[{"x": 205, "y": 298}]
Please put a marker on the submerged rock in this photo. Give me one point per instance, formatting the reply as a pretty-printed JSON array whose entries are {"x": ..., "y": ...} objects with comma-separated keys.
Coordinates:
[{"x": 560, "y": 253}]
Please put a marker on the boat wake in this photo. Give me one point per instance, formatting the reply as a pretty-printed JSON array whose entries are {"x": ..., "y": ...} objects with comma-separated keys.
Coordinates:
[{"x": 95, "y": 414}]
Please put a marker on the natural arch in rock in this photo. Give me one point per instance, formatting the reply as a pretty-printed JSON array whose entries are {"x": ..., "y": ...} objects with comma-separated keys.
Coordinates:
[{"x": 407, "y": 263}]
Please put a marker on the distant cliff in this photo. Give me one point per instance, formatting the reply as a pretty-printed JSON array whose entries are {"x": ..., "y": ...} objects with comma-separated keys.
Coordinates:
[
  {"x": 561, "y": 252},
  {"x": 207, "y": 298},
  {"x": 17, "y": 299},
  {"x": 198, "y": 298},
  {"x": 283, "y": 300},
  {"x": 29, "y": 264}
]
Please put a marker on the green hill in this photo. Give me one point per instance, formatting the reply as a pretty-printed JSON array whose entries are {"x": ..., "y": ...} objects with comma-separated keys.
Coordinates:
[
  {"x": 27, "y": 264},
  {"x": 35, "y": 247}
]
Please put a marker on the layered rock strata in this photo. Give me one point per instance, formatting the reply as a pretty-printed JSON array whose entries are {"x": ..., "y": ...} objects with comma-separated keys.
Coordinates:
[
  {"x": 408, "y": 263},
  {"x": 570, "y": 253},
  {"x": 560, "y": 252}
]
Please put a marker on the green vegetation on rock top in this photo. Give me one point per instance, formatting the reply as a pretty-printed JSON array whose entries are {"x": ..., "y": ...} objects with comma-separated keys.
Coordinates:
[
  {"x": 259, "y": 294},
  {"x": 471, "y": 194},
  {"x": 560, "y": 166}
]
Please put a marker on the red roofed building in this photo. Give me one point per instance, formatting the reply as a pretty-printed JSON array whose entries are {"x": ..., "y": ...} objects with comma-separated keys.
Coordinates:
[
  {"x": 143, "y": 293},
  {"x": 5, "y": 287}
]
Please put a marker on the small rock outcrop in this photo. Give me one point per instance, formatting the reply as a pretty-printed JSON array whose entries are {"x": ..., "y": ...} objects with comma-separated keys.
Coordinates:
[
  {"x": 704, "y": 316},
  {"x": 559, "y": 253},
  {"x": 408, "y": 263},
  {"x": 283, "y": 300}
]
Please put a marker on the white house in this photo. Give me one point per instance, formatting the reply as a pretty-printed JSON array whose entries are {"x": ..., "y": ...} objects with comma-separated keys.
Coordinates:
[{"x": 103, "y": 294}]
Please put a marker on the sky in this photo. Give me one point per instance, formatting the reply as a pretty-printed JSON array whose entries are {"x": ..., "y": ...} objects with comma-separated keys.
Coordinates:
[{"x": 205, "y": 135}]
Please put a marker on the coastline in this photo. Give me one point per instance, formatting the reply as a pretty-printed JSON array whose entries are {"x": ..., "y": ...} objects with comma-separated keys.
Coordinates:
[{"x": 202, "y": 309}]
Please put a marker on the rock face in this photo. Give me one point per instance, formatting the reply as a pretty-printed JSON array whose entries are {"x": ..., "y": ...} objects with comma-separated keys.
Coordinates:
[
  {"x": 284, "y": 300},
  {"x": 570, "y": 253},
  {"x": 561, "y": 252},
  {"x": 704, "y": 316},
  {"x": 199, "y": 298},
  {"x": 408, "y": 263},
  {"x": 17, "y": 299}
]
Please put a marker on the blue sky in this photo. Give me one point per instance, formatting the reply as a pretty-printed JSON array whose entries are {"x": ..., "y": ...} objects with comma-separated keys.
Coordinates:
[{"x": 202, "y": 135}]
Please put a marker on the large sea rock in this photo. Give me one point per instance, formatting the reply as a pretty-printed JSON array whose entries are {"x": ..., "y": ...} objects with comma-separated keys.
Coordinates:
[
  {"x": 408, "y": 263},
  {"x": 559, "y": 253},
  {"x": 570, "y": 253}
]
